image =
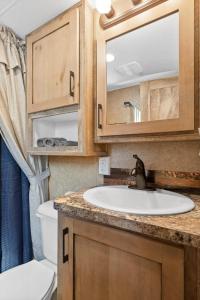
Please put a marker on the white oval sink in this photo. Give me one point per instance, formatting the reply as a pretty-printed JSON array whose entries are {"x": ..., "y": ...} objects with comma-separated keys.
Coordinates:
[{"x": 123, "y": 199}]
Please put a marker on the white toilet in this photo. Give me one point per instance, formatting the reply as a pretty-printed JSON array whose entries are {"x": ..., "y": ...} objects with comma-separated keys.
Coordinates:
[{"x": 35, "y": 280}]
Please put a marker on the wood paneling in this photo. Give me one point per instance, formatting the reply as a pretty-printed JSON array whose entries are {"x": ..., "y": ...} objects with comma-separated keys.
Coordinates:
[
  {"x": 192, "y": 288},
  {"x": 160, "y": 99}
]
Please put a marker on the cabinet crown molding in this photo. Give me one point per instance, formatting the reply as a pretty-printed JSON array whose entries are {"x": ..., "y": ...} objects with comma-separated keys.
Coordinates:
[{"x": 124, "y": 10}]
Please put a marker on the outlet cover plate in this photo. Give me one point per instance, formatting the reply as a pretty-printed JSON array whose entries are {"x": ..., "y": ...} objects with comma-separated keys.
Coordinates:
[{"x": 104, "y": 165}]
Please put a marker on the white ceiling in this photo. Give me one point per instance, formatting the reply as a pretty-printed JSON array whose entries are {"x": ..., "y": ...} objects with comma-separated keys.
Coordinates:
[
  {"x": 148, "y": 53},
  {"x": 23, "y": 16}
]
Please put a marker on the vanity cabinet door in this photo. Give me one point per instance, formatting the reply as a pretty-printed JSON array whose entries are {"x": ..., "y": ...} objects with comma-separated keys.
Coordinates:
[
  {"x": 105, "y": 272},
  {"x": 65, "y": 258},
  {"x": 112, "y": 264},
  {"x": 53, "y": 63}
]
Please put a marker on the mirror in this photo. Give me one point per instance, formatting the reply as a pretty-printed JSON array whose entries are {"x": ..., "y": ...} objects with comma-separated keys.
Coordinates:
[{"x": 143, "y": 73}]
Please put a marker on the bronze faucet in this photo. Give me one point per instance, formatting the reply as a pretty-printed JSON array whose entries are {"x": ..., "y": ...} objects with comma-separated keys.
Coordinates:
[{"x": 139, "y": 173}]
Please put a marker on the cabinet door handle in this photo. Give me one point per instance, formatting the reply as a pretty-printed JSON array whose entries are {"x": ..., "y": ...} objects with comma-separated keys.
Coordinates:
[
  {"x": 99, "y": 108},
  {"x": 65, "y": 256},
  {"x": 71, "y": 83}
]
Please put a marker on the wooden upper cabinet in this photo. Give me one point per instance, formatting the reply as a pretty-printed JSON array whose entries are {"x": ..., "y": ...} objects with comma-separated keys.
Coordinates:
[
  {"x": 53, "y": 63},
  {"x": 147, "y": 72},
  {"x": 60, "y": 99}
]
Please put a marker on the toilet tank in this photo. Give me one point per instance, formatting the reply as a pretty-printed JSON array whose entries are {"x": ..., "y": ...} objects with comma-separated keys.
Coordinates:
[{"x": 49, "y": 227}]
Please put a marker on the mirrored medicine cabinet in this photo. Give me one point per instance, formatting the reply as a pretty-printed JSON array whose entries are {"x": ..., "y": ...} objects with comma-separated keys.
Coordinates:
[{"x": 145, "y": 72}]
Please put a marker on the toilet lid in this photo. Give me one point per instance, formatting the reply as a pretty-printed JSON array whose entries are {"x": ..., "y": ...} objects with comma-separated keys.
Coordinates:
[{"x": 31, "y": 281}]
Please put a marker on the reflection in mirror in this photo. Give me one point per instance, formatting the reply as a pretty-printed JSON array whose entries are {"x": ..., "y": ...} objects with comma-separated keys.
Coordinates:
[{"x": 142, "y": 73}]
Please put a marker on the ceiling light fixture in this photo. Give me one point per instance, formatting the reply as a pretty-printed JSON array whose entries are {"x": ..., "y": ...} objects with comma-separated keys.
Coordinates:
[
  {"x": 103, "y": 6},
  {"x": 110, "y": 57}
]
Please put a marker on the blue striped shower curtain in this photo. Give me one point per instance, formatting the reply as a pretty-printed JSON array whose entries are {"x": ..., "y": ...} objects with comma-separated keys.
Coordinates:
[{"x": 15, "y": 235}]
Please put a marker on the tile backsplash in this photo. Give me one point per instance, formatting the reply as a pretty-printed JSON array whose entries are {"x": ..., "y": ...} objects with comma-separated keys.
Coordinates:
[{"x": 161, "y": 179}]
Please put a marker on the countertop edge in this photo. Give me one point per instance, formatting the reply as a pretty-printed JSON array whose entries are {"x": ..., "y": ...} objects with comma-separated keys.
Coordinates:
[{"x": 178, "y": 237}]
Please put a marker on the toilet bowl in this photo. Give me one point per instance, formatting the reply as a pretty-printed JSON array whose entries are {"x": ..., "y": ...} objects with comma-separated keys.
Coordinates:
[{"x": 35, "y": 280}]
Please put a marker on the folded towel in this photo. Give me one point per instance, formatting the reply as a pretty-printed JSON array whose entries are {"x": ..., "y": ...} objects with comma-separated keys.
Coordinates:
[
  {"x": 40, "y": 142},
  {"x": 55, "y": 142},
  {"x": 49, "y": 142}
]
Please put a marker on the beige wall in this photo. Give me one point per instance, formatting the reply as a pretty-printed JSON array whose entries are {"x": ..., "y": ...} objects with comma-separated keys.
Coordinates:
[
  {"x": 77, "y": 173},
  {"x": 72, "y": 174}
]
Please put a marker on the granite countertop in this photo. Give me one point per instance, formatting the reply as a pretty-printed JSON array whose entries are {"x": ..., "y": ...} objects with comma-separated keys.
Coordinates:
[{"x": 183, "y": 229}]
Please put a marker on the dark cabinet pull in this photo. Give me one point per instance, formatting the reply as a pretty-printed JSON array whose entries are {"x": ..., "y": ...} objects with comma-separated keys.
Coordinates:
[
  {"x": 71, "y": 83},
  {"x": 65, "y": 256},
  {"x": 98, "y": 116}
]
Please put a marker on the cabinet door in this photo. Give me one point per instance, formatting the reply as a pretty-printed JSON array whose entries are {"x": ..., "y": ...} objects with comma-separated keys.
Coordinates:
[
  {"x": 105, "y": 272},
  {"x": 111, "y": 264},
  {"x": 137, "y": 91},
  {"x": 65, "y": 258},
  {"x": 53, "y": 63}
]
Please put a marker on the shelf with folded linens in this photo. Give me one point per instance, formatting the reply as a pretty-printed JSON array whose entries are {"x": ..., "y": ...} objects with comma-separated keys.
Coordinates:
[{"x": 54, "y": 131}]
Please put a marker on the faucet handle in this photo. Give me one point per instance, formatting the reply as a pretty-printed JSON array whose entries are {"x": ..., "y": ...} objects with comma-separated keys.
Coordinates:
[{"x": 133, "y": 172}]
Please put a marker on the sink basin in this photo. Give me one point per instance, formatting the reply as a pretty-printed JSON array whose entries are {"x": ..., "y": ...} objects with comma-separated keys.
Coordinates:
[{"x": 123, "y": 199}]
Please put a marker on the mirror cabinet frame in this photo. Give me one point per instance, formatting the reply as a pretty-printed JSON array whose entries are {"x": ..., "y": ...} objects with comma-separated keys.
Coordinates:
[{"x": 188, "y": 101}]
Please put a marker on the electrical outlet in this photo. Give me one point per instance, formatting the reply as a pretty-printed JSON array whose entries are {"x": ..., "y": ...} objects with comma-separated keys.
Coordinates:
[{"x": 104, "y": 165}]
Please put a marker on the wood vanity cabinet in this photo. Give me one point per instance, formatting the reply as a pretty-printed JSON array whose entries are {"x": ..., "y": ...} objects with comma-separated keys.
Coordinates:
[
  {"x": 96, "y": 262},
  {"x": 53, "y": 63}
]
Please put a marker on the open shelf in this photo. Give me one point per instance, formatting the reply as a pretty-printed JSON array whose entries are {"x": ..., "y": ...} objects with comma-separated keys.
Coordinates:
[{"x": 54, "y": 132}]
